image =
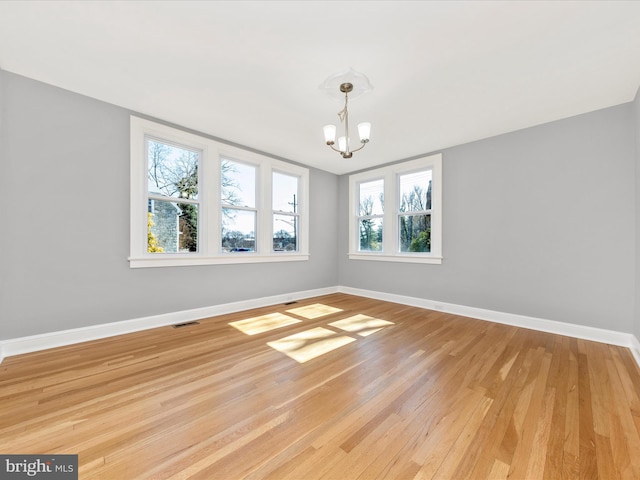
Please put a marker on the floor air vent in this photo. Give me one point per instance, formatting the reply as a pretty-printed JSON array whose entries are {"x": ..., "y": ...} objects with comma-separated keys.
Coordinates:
[
  {"x": 291, "y": 303},
  {"x": 186, "y": 324}
]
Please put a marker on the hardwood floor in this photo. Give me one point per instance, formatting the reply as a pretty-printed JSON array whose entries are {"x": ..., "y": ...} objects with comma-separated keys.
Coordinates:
[{"x": 405, "y": 393}]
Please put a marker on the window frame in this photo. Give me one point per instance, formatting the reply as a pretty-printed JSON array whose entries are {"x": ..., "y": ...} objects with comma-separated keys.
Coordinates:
[
  {"x": 210, "y": 204},
  {"x": 390, "y": 223}
]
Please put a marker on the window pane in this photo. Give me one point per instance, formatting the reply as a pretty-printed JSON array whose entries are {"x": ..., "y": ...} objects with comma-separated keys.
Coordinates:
[
  {"x": 285, "y": 233},
  {"x": 415, "y": 233},
  {"x": 238, "y": 184},
  {"x": 238, "y": 230},
  {"x": 370, "y": 234},
  {"x": 371, "y": 198},
  {"x": 172, "y": 227},
  {"x": 171, "y": 170},
  {"x": 415, "y": 191},
  {"x": 285, "y": 193}
]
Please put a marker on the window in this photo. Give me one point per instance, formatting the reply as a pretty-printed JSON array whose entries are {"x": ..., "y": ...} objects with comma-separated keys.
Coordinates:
[
  {"x": 286, "y": 215},
  {"x": 195, "y": 201},
  {"x": 414, "y": 211},
  {"x": 402, "y": 205},
  {"x": 239, "y": 211},
  {"x": 370, "y": 215},
  {"x": 172, "y": 192}
]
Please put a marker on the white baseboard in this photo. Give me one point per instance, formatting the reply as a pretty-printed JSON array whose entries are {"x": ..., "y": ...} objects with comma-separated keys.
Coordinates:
[
  {"x": 611, "y": 337},
  {"x": 45, "y": 341},
  {"x": 61, "y": 338}
]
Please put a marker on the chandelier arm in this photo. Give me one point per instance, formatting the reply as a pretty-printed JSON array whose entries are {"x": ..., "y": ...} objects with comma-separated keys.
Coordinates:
[
  {"x": 361, "y": 147},
  {"x": 330, "y": 145}
]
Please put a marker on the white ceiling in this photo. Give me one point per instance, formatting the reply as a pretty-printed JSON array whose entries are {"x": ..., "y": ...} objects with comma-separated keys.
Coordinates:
[{"x": 445, "y": 73}]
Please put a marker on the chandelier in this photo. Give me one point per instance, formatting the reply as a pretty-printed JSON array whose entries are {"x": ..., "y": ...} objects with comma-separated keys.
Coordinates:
[{"x": 347, "y": 83}]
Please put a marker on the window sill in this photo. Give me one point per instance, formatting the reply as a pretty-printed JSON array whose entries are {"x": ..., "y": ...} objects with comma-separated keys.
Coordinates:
[
  {"x": 430, "y": 259},
  {"x": 183, "y": 260}
]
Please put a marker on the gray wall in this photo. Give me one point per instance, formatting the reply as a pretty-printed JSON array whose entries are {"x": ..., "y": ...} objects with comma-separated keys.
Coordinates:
[
  {"x": 65, "y": 230},
  {"x": 636, "y": 128},
  {"x": 538, "y": 222},
  {"x": 5, "y": 174}
]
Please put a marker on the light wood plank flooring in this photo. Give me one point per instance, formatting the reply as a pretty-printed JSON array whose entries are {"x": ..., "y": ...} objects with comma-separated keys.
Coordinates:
[{"x": 333, "y": 387}]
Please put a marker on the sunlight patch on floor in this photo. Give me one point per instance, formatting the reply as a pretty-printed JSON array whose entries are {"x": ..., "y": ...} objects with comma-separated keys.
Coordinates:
[
  {"x": 314, "y": 311},
  {"x": 310, "y": 344},
  {"x": 361, "y": 324},
  {"x": 264, "y": 323}
]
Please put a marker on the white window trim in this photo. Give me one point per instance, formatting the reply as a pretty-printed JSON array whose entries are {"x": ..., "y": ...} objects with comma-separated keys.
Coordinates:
[
  {"x": 391, "y": 251},
  {"x": 210, "y": 204}
]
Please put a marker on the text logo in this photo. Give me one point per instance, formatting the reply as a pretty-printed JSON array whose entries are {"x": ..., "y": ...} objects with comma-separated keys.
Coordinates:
[{"x": 49, "y": 467}]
